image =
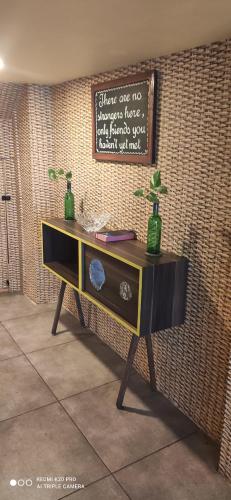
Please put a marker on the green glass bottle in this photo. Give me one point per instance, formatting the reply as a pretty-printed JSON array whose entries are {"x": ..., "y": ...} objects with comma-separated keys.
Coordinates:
[
  {"x": 69, "y": 203},
  {"x": 154, "y": 231}
]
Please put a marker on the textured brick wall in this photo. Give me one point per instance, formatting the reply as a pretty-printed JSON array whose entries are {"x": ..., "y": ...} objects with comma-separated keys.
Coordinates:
[
  {"x": 34, "y": 144},
  {"x": 10, "y": 261},
  {"x": 225, "y": 455}
]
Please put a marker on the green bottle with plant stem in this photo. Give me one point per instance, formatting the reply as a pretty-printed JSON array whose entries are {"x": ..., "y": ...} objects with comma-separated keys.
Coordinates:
[
  {"x": 154, "y": 231},
  {"x": 154, "y": 223},
  {"x": 69, "y": 203}
]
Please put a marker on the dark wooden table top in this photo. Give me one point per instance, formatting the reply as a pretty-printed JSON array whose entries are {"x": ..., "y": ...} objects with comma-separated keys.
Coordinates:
[{"x": 131, "y": 250}]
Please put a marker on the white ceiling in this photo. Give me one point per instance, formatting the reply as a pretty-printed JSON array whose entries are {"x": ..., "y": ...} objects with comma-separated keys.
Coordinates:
[{"x": 49, "y": 41}]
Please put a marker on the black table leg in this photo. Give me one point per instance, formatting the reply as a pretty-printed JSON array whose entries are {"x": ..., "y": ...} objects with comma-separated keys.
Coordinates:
[
  {"x": 130, "y": 359},
  {"x": 151, "y": 365},
  {"x": 79, "y": 308},
  {"x": 58, "y": 308}
]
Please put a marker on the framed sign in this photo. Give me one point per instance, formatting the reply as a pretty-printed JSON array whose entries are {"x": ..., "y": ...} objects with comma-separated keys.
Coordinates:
[{"x": 123, "y": 119}]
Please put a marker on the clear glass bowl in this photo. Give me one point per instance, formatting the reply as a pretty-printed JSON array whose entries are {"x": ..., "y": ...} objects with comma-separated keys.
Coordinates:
[{"x": 92, "y": 222}]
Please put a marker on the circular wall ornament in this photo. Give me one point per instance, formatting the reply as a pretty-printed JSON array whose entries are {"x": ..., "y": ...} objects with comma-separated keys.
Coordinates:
[
  {"x": 97, "y": 274},
  {"x": 125, "y": 291}
]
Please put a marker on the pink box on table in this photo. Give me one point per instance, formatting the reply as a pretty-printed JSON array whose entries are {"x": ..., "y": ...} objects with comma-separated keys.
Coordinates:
[{"x": 116, "y": 235}]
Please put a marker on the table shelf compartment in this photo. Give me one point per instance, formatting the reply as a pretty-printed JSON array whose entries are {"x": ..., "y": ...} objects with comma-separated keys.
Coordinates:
[
  {"x": 60, "y": 254},
  {"x": 120, "y": 290}
]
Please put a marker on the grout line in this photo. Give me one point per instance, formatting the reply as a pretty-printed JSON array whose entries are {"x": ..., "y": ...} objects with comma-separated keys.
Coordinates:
[
  {"x": 56, "y": 398},
  {"x": 75, "y": 424},
  {"x": 138, "y": 460},
  {"x": 56, "y": 345},
  {"x": 69, "y": 416},
  {"x": 122, "y": 487},
  {"x": 48, "y": 310},
  {"x": 155, "y": 451},
  {"x": 89, "y": 484},
  {"x": 88, "y": 390},
  {"x": 77, "y": 394},
  {"x": 97, "y": 387},
  {"x": 49, "y": 346},
  {"x": 12, "y": 338},
  {"x": 50, "y": 307},
  {"x": 40, "y": 376},
  {"x": 112, "y": 474},
  {"x": 28, "y": 411},
  {"x": 38, "y": 313},
  {"x": 12, "y": 357}
]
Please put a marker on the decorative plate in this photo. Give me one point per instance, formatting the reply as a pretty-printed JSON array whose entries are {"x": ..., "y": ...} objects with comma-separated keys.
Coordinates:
[
  {"x": 125, "y": 291},
  {"x": 97, "y": 274}
]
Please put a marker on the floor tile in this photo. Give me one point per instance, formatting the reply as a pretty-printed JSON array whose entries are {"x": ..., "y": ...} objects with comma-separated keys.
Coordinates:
[
  {"x": 8, "y": 348},
  {"x": 105, "y": 489},
  {"x": 34, "y": 332},
  {"x": 148, "y": 422},
  {"x": 21, "y": 388},
  {"x": 15, "y": 305},
  {"x": 44, "y": 443},
  {"x": 184, "y": 471},
  {"x": 72, "y": 368}
]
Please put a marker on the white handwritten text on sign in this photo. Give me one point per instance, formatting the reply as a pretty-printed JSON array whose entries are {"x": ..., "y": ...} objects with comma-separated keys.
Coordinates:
[{"x": 121, "y": 118}]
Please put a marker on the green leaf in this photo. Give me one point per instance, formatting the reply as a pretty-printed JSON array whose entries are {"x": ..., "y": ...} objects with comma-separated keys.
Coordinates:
[
  {"x": 52, "y": 174},
  {"x": 152, "y": 197},
  {"x": 139, "y": 192},
  {"x": 155, "y": 179},
  {"x": 68, "y": 176},
  {"x": 60, "y": 171},
  {"x": 162, "y": 190}
]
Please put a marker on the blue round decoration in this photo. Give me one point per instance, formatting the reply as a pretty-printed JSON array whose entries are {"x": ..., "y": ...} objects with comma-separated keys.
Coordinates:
[{"x": 97, "y": 274}]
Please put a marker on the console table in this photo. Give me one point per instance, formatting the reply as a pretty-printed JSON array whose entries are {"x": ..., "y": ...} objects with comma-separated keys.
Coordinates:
[{"x": 144, "y": 294}]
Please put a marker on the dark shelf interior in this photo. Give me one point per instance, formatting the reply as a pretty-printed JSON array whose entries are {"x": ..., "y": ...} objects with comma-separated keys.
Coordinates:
[
  {"x": 64, "y": 269},
  {"x": 60, "y": 254}
]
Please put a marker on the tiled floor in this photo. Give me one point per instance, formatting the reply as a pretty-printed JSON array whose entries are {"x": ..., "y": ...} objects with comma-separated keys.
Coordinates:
[{"x": 58, "y": 419}]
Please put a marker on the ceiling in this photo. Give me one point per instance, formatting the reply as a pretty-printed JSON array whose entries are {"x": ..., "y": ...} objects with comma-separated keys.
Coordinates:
[{"x": 50, "y": 41}]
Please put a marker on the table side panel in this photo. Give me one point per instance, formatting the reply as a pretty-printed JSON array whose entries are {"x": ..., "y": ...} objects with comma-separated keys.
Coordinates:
[{"x": 164, "y": 296}]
